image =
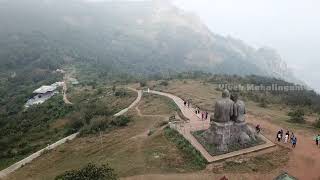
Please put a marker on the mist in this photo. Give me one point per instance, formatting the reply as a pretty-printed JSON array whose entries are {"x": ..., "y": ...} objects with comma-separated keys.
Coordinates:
[{"x": 289, "y": 26}]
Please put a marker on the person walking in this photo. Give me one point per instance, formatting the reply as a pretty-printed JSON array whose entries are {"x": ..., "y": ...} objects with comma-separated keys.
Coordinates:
[
  {"x": 294, "y": 142},
  {"x": 317, "y": 139},
  {"x": 279, "y": 136},
  {"x": 281, "y": 133},
  {"x": 258, "y": 128},
  {"x": 292, "y": 136},
  {"x": 185, "y": 103},
  {"x": 286, "y": 137},
  {"x": 207, "y": 115}
]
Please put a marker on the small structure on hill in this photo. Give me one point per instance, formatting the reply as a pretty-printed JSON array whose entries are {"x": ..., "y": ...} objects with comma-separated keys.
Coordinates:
[
  {"x": 74, "y": 81},
  {"x": 43, "y": 93},
  {"x": 60, "y": 71}
]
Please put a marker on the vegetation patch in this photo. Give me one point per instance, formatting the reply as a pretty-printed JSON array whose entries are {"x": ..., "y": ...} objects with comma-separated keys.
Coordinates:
[
  {"x": 105, "y": 123},
  {"x": 90, "y": 172},
  {"x": 297, "y": 116},
  {"x": 190, "y": 152},
  {"x": 157, "y": 105},
  {"x": 317, "y": 123},
  {"x": 29, "y": 130}
]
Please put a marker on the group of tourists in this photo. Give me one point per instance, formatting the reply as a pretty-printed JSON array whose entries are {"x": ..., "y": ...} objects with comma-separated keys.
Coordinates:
[
  {"x": 317, "y": 139},
  {"x": 204, "y": 114},
  {"x": 287, "y": 137}
]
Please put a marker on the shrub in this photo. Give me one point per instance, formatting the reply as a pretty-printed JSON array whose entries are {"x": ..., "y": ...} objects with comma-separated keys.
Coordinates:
[
  {"x": 164, "y": 83},
  {"x": 121, "y": 121},
  {"x": 194, "y": 155},
  {"x": 90, "y": 172},
  {"x": 97, "y": 124},
  {"x": 143, "y": 83},
  {"x": 120, "y": 93},
  {"x": 297, "y": 116},
  {"x": 317, "y": 123},
  {"x": 263, "y": 103}
]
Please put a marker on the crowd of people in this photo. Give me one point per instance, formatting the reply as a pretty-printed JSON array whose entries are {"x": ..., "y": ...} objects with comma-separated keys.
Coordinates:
[{"x": 287, "y": 138}]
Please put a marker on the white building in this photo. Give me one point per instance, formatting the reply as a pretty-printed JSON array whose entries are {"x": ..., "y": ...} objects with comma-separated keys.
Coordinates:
[{"x": 43, "y": 93}]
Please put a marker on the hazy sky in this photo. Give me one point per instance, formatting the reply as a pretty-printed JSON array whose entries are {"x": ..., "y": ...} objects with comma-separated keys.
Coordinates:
[{"x": 292, "y": 27}]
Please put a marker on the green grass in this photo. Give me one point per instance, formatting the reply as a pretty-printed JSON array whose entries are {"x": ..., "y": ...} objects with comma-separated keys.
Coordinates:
[
  {"x": 157, "y": 105},
  {"x": 39, "y": 122},
  {"x": 197, "y": 161}
]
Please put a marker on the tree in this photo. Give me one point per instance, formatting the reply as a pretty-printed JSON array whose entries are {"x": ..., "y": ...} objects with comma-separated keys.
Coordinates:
[
  {"x": 90, "y": 172},
  {"x": 143, "y": 83},
  {"x": 297, "y": 116},
  {"x": 317, "y": 123}
]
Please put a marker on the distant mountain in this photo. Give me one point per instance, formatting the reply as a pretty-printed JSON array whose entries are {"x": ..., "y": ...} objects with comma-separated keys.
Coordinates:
[{"x": 140, "y": 38}]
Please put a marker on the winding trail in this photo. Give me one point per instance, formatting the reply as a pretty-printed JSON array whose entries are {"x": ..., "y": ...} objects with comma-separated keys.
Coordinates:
[
  {"x": 132, "y": 105},
  {"x": 64, "y": 91},
  {"x": 35, "y": 155}
]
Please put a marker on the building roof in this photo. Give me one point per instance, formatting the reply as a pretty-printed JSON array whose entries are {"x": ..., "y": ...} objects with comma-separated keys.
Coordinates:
[{"x": 44, "y": 89}]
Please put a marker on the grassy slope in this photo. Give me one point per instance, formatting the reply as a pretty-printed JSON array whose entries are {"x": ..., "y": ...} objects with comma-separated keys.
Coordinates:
[
  {"x": 129, "y": 150},
  {"x": 56, "y": 128},
  {"x": 157, "y": 105}
]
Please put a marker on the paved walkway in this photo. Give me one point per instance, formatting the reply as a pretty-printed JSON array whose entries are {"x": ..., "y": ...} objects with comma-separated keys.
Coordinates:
[
  {"x": 196, "y": 124},
  {"x": 133, "y": 104},
  {"x": 30, "y": 158}
]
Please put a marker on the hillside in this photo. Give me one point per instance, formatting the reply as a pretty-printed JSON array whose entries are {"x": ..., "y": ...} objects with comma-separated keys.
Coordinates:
[{"x": 140, "y": 38}]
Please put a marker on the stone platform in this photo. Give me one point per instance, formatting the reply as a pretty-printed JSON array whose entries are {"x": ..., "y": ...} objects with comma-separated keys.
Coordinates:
[
  {"x": 196, "y": 124},
  {"x": 226, "y": 136}
]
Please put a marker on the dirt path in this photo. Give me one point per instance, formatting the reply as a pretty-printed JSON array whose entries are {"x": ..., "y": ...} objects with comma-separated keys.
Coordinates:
[
  {"x": 146, "y": 115},
  {"x": 64, "y": 90},
  {"x": 304, "y": 162},
  {"x": 30, "y": 158},
  {"x": 132, "y": 105}
]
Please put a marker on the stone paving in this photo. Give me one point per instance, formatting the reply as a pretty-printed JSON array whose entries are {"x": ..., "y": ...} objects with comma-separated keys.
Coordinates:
[{"x": 196, "y": 123}]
